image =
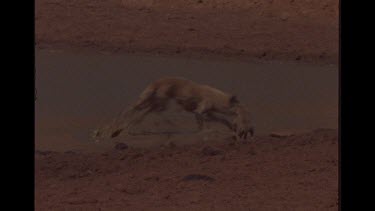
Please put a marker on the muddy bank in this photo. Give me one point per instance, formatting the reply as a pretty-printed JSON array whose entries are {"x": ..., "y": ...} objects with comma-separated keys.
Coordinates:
[
  {"x": 298, "y": 172},
  {"x": 271, "y": 30}
]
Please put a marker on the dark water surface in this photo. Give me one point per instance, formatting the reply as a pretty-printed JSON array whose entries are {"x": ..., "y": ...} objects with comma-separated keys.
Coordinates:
[{"x": 78, "y": 92}]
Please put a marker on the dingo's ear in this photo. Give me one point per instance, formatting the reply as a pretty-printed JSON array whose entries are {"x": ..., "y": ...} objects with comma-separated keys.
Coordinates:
[{"x": 233, "y": 100}]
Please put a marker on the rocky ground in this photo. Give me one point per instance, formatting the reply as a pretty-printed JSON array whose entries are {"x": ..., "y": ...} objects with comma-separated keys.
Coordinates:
[{"x": 278, "y": 172}]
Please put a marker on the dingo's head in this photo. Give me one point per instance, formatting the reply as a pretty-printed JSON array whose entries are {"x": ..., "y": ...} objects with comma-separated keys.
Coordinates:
[{"x": 242, "y": 123}]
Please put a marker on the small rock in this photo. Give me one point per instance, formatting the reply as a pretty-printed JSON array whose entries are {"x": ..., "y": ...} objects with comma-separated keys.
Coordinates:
[
  {"x": 231, "y": 138},
  {"x": 171, "y": 145},
  {"x": 124, "y": 157},
  {"x": 320, "y": 130},
  {"x": 119, "y": 187},
  {"x": 121, "y": 146},
  {"x": 232, "y": 143},
  {"x": 192, "y": 177},
  {"x": 39, "y": 152},
  {"x": 281, "y": 134},
  {"x": 152, "y": 158},
  {"x": 284, "y": 16},
  {"x": 52, "y": 186},
  {"x": 134, "y": 189},
  {"x": 116, "y": 133},
  {"x": 223, "y": 158},
  {"x": 138, "y": 155},
  {"x": 70, "y": 152},
  {"x": 252, "y": 152},
  {"x": 152, "y": 178},
  {"x": 209, "y": 151}
]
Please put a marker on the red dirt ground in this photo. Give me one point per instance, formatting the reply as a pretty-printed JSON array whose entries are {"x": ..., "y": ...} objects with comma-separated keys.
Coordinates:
[
  {"x": 299, "y": 172},
  {"x": 303, "y": 30}
]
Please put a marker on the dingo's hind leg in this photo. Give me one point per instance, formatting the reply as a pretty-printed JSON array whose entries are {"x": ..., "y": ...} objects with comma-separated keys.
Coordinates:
[
  {"x": 154, "y": 105},
  {"x": 142, "y": 104}
]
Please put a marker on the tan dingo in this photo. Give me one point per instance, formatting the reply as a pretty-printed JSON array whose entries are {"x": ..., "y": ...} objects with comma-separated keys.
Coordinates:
[{"x": 202, "y": 100}]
